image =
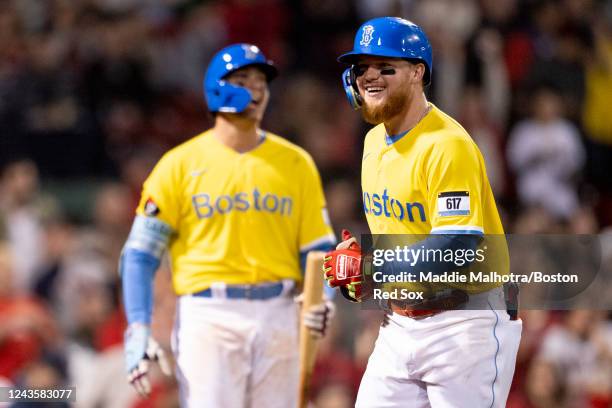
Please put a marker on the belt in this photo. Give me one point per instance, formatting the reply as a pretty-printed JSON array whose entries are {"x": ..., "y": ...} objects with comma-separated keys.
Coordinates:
[
  {"x": 447, "y": 300},
  {"x": 250, "y": 292}
]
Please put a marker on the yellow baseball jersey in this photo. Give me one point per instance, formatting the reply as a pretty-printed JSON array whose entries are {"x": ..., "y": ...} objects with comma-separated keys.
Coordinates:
[
  {"x": 238, "y": 218},
  {"x": 431, "y": 179}
]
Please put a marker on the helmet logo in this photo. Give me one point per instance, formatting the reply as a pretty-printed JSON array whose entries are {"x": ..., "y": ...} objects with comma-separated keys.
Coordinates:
[
  {"x": 250, "y": 51},
  {"x": 366, "y": 35}
]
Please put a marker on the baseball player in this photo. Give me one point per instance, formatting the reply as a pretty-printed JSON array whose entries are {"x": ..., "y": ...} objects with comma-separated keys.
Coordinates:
[
  {"x": 237, "y": 208},
  {"x": 423, "y": 174}
]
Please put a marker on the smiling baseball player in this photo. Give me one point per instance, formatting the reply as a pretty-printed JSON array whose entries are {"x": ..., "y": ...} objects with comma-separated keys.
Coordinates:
[
  {"x": 423, "y": 174},
  {"x": 238, "y": 208}
]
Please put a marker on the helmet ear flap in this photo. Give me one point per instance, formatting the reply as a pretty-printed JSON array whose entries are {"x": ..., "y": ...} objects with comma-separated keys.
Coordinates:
[
  {"x": 349, "y": 81},
  {"x": 222, "y": 96}
]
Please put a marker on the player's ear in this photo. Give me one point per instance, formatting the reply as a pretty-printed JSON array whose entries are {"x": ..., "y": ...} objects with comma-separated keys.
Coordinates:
[{"x": 418, "y": 73}]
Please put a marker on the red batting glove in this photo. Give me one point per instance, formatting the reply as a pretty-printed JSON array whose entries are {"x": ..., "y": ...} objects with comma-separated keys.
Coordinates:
[{"x": 342, "y": 267}]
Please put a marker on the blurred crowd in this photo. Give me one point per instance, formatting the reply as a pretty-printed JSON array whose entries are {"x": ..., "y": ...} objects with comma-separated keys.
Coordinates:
[{"x": 92, "y": 92}]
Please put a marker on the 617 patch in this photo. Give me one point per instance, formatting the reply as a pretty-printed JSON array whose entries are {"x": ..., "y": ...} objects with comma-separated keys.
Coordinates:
[{"x": 453, "y": 203}]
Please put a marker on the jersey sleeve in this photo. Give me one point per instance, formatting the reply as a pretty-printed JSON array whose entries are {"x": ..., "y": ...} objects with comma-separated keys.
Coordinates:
[
  {"x": 314, "y": 224},
  {"x": 455, "y": 175},
  {"x": 160, "y": 190}
]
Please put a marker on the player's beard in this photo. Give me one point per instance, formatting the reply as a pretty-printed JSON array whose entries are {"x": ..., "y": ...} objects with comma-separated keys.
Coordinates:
[{"x": 395, "y": 104}]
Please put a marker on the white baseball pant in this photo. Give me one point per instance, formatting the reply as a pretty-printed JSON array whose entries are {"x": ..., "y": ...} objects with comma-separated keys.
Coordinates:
[
  {"x": 236, "y": 352},
  {"x": 454, "y": 359}
]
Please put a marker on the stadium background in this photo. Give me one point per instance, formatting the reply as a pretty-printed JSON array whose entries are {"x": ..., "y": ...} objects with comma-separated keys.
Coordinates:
[{"x": 92, "y": 92}]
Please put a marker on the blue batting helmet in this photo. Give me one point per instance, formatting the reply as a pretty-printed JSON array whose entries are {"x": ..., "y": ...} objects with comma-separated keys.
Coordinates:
[
  {"x": 221, "y": 96},
  {"x": 387, "y": 37}
]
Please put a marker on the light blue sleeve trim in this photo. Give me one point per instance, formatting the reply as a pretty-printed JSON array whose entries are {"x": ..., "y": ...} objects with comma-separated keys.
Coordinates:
[
  {"x": 149, "y": 235},
  {"x": 458, "y": 232},
  {"x": 458, "y": 229}
]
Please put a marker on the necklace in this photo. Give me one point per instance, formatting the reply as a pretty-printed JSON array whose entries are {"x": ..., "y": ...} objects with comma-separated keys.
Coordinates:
[
  {"x": 390, "y": 139},
  {"x": 423, "y": 115}
]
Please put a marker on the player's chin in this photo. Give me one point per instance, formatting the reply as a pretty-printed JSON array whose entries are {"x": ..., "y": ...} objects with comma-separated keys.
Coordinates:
[
  {"x": 375, "y": 105},
  {"x": 373, "y": 113},
  {"x": 258, "y": 108},
  {"x": 253, "y": 112},
  {"x": 377, "y": 100}
]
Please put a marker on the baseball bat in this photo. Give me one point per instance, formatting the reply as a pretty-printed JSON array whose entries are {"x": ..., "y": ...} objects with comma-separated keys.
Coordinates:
[{"x": 313, "y": 295}]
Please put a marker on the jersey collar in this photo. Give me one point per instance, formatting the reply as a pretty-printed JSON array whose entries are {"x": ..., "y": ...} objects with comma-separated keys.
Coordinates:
[
  {"x": 262, "y": 137},
  {"x": 390, "y": 139}
]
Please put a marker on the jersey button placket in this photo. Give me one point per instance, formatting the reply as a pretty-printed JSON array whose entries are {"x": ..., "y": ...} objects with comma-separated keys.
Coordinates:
[{"x": 245, "y": 174}]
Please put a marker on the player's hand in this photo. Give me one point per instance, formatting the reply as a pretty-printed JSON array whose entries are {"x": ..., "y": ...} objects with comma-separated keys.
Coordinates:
[
  {"x": 317, "y": 317},
  {"x": 342, "y": 268},
  {"x": 140, "y": 349}
]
